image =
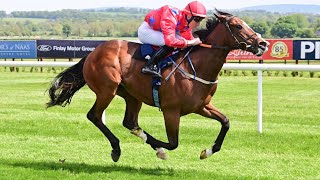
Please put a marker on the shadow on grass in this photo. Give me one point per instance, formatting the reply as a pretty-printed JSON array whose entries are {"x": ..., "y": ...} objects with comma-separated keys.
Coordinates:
[{"x": 90, "y": 169}]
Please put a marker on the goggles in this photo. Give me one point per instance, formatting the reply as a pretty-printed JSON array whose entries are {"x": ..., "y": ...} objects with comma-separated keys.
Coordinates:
[{"x": 198, "y": 19}]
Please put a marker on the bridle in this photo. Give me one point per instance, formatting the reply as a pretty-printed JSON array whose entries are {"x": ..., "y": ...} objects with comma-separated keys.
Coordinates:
[{"x": 240, "y": 45}]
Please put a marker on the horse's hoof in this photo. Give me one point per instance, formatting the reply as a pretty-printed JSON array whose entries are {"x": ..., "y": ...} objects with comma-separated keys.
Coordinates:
[
  {"x": 161, "y": 154},
  {"x": 205, "y": 154},
  {"x": 115, "y": 155}
]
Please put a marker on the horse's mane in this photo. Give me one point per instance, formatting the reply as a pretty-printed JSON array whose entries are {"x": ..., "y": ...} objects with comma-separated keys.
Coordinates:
[{"x": 211, "y": 23}]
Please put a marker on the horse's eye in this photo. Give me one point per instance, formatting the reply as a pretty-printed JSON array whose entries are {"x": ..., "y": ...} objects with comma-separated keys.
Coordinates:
[{"x": 239, "y": 27}]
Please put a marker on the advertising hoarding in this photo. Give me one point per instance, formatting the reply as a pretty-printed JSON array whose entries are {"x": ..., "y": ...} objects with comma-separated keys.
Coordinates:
[
  {"x": 18, "y": 49},
  {"x": 279, "y": 49},
  {"x": 306, "y": 49},
  {"x": 65, "y": 48}
]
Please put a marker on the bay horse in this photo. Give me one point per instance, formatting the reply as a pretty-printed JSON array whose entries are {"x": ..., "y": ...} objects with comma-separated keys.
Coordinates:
[{"x": 111, "y": 70}]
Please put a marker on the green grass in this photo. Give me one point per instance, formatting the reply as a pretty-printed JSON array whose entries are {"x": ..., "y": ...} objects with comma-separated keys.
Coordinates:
[{"x": 34, "y": 138}]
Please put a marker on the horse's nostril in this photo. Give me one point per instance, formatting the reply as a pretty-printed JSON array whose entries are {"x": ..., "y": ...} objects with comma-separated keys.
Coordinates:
[{"x": 264, "y": 44}]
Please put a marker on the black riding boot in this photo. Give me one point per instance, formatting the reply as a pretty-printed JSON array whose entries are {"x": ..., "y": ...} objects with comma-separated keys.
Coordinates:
[{"x": 151, "y": 67}]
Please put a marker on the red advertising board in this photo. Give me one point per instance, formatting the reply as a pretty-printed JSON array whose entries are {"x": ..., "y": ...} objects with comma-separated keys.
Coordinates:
[{"x": 279, "y": 49}]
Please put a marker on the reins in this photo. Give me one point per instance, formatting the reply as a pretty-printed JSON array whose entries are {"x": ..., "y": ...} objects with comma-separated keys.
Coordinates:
[
  {"x": 177, "y": 65},
  {"x": 245, "y": 47},
  {"x": 214, "y": 46},
  {"x": 190, "y": 76}
]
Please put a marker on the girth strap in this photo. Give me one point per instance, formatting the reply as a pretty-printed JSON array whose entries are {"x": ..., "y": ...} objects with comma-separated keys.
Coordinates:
[
  {"x": 156, "y": 83},
  {"x": 199, "y": 79}
]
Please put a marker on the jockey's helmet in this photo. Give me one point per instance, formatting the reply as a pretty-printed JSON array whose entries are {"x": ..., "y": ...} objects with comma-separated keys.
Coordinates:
[{"x": 195, "y": 9}]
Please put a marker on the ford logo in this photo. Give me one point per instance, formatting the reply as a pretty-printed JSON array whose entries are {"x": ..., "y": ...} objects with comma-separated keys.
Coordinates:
[{"x": 44, "y": 48}]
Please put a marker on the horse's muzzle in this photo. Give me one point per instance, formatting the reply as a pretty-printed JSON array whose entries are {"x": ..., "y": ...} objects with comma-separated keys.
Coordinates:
[{"x": 259, "y": 48}]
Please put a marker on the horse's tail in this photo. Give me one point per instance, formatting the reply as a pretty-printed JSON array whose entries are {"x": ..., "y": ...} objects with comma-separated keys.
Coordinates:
[{"x": 66, "y": 84}]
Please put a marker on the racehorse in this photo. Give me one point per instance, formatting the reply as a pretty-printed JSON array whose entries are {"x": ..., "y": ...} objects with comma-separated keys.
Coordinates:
[{"x": 111, "y": 70}]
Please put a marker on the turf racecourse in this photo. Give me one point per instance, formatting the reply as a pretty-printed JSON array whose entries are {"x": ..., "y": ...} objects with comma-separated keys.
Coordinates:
[{"x": 60, "y": 143}]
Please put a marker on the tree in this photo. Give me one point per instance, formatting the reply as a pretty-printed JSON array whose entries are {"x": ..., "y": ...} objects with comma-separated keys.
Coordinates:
[
  {"x": 95, "y": 29},
  {"x": 301, "y": 20},
  {"x": 316, "y": 25},
  {"x": 2, "y": 14},
  {"x": 66, "y": 29},
  {"x": 305, "y": 33},
  {"x": 284, "y": 27},
  {"x": 247, "y": 19},
  {"x": 261, "y": 28}
]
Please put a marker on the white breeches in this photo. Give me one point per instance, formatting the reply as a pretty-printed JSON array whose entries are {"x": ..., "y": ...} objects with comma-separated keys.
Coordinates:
[{"x": 149, "y": 36}]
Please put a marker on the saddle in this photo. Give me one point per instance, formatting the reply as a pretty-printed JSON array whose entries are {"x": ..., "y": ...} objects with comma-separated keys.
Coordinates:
[
  {"x": 145, "y": 50},
  {"x": 143, "y": 53}
]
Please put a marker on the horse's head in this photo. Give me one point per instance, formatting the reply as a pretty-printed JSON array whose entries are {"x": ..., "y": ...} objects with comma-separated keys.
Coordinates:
[{"x": 230, "y": 32}]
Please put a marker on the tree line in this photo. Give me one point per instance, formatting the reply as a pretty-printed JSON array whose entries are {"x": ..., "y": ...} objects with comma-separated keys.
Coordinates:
[{"x": 124, "y": 22}]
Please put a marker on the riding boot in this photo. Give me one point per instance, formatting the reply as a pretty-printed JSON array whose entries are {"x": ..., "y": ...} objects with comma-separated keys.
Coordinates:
[{"x": 151, "y": 67}]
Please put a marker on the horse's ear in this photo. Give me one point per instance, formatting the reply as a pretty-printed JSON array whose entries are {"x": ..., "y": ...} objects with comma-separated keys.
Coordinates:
[
  {"x": 216, "y": 15},
  {"x": 219, "y": 17}
]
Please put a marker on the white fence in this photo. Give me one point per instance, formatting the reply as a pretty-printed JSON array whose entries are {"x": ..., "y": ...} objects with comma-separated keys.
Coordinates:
[
  {"x": 263, "y": 67},
  {"x": 227, "y": 66}
]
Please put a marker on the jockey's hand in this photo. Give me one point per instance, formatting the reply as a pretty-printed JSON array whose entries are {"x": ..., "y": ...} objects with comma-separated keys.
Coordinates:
[{"x": 194, "y": 42}]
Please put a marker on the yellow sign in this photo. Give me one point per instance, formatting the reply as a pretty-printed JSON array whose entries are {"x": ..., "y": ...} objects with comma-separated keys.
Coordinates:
[{"x": 279, "y": 50}]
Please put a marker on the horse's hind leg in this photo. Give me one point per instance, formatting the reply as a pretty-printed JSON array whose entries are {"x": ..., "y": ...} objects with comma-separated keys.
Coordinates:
[
  {"x": 130, "y": 121},
  {"x": 211, "y": 112},
  {"x": 133, "y": 106},
  {"x": 95, "y": 116}
]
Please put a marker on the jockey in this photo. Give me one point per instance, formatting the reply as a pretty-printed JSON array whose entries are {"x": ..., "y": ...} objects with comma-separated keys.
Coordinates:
[{"x": 169, "y": 28}]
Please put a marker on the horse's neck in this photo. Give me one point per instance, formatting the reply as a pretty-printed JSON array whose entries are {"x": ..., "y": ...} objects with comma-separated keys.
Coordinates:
[
  {"x": 208, "y": 62},
  {"x": 219, "y": 37},
  {"x": 211, "y": 60}
]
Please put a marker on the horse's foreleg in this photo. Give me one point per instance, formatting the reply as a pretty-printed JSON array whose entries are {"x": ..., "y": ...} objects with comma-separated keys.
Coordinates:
[
  {"x": 172, "y": 121},
  {"x": 95, "y": 116},
  {"x": 211, "y": 112}
]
